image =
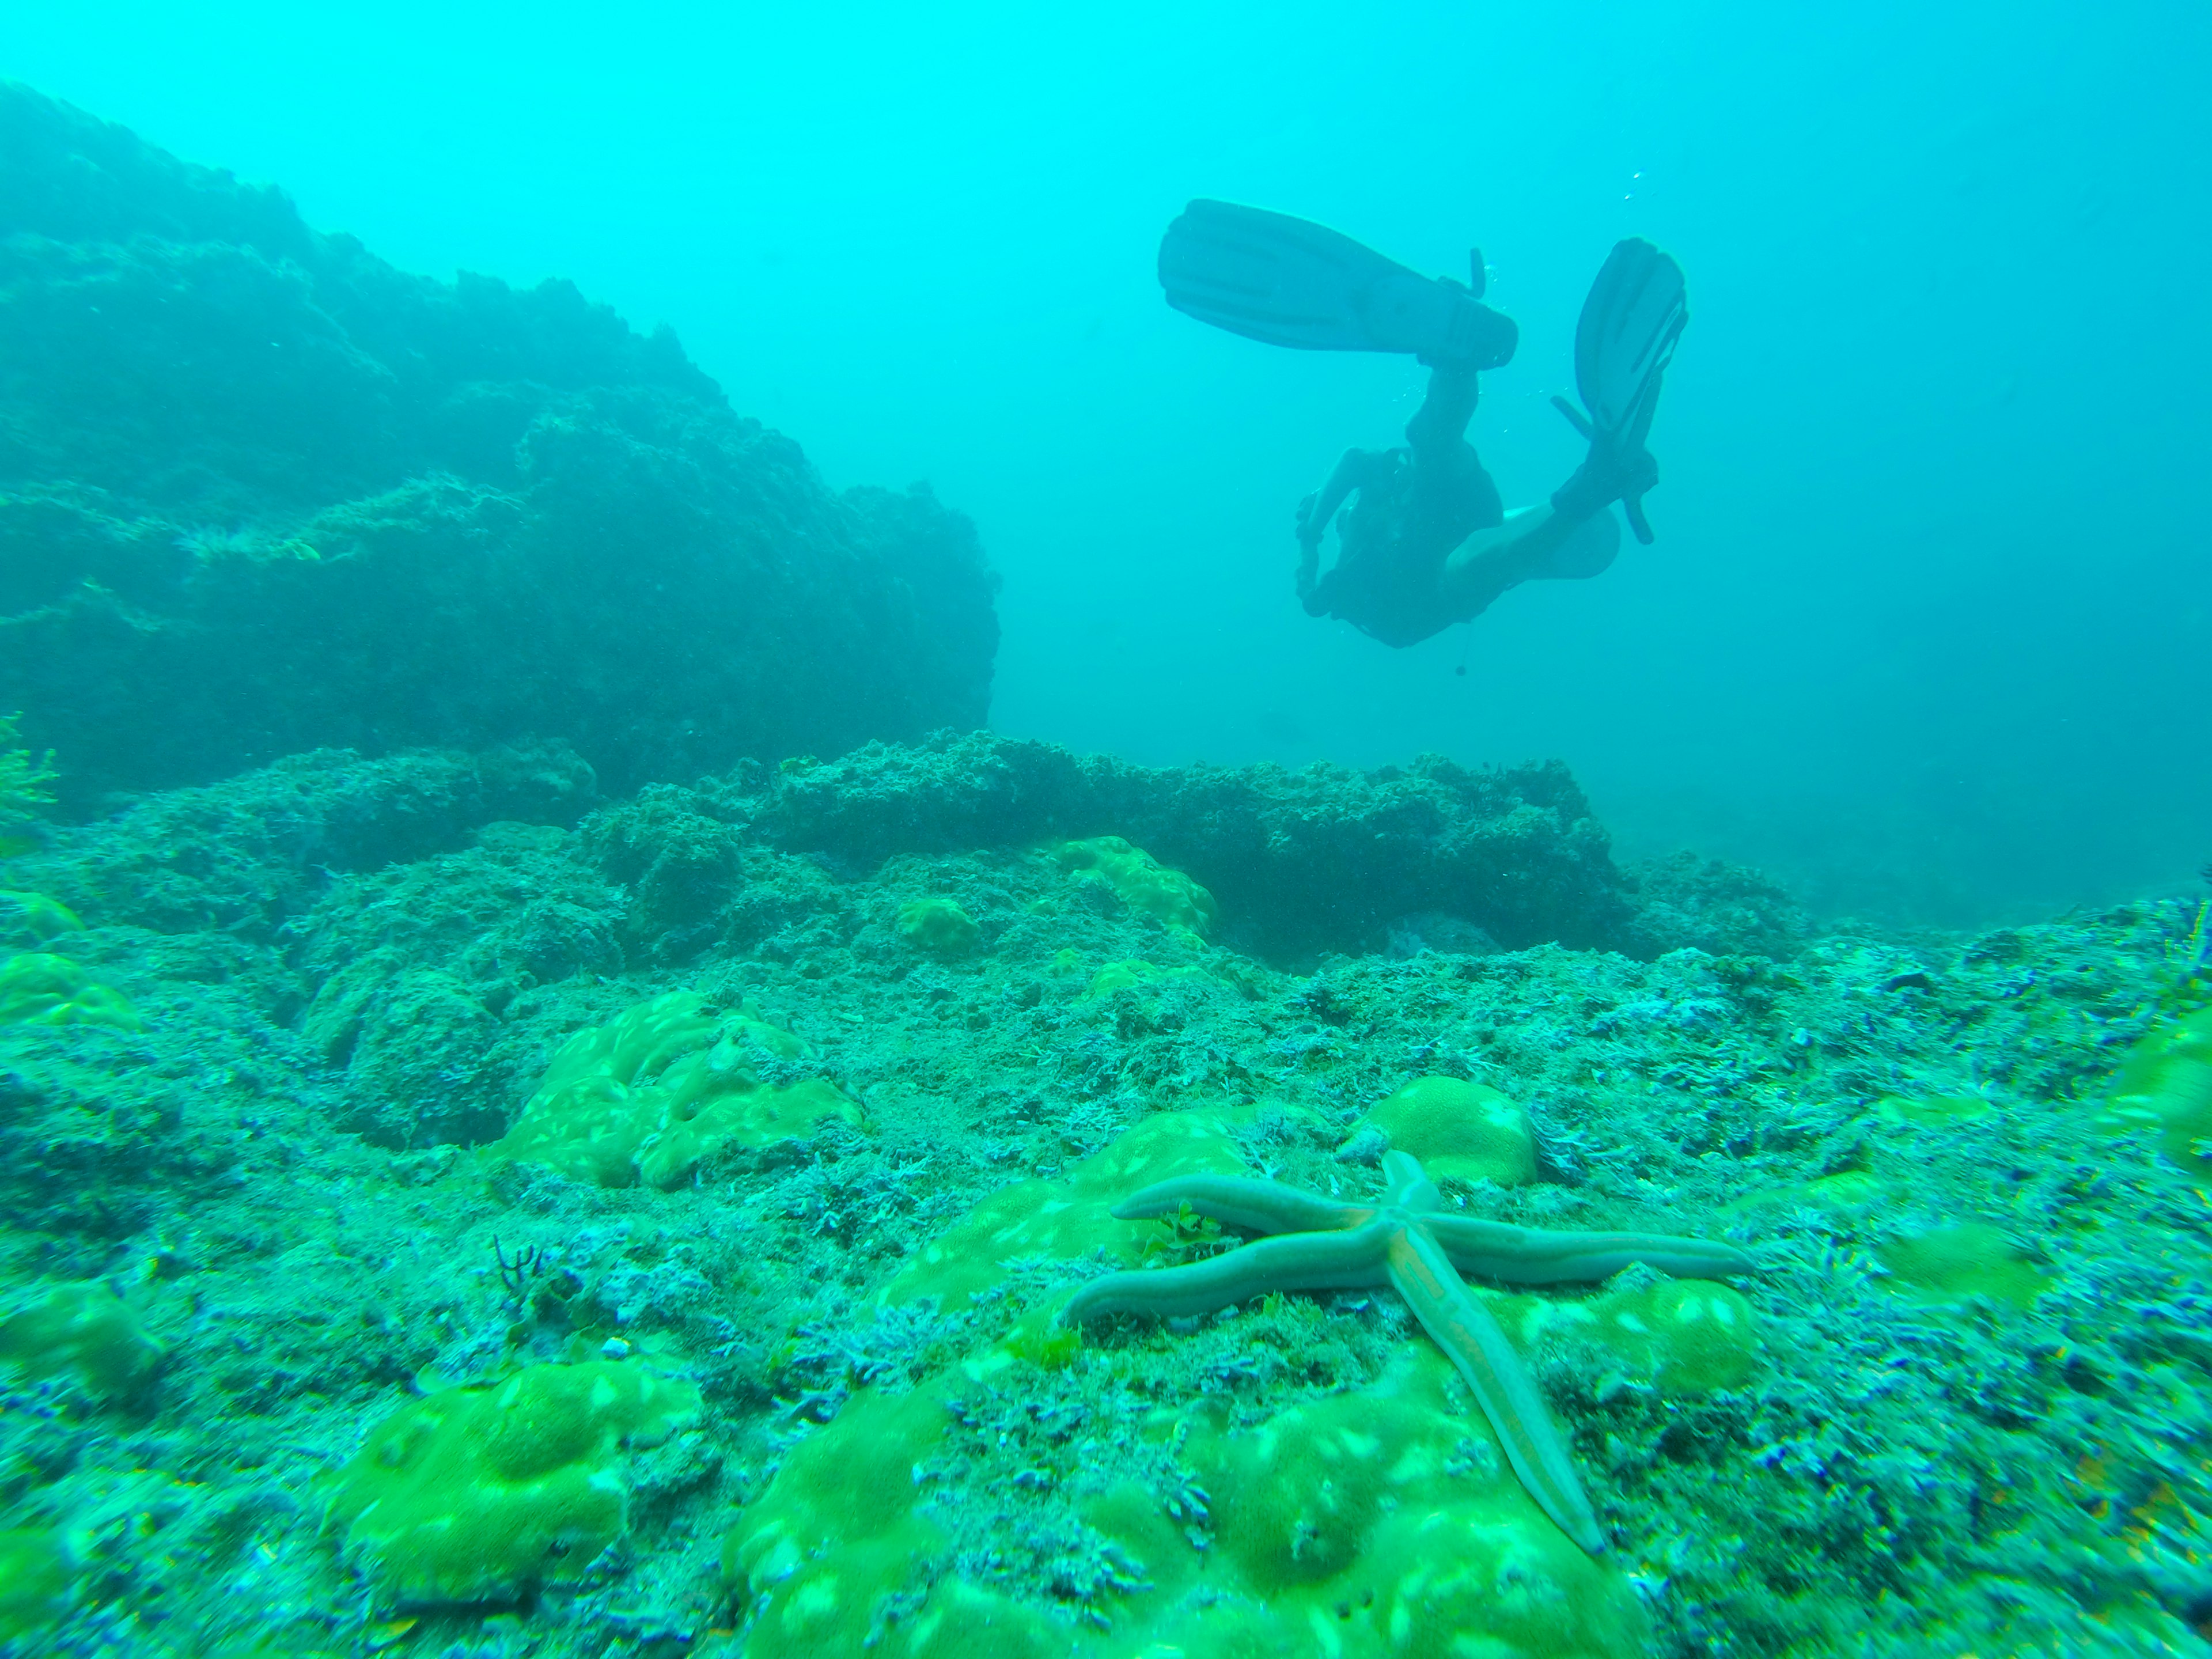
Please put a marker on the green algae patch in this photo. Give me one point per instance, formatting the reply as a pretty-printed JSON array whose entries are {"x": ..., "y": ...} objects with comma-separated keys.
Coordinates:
[
  {"x": 36, "y": 1580},
  {"x": 24, "y": 775},
  {"x": 33, "y": 921},
  {"x": 661, "y": 1088},
  {"x": 2164, "y": 1086},
  {"x": 1848, "y": 1195},
  {"x": 37, "y": 988},
  {"x": 1133, "y": 973},
  {"x": 1140, "y": 881},
  {"x": 839, "y": 1557},
  {"x": 1367, "y": 1526},
  {"x": 1951, "y": 1265},
  {"x": 938, "y": 927},
  {"x": 1388, "y": 1522},
  {"x": 486, "y": 1494},
  {"x": 85, "y": 1331},
  {"x": 1931, "y": 1111},
  {"x": 1459, "y": 1130},
  {"x": 1070, "y": 1219},
  {"x": 835, "y": 1539},
  {"x": 1688, "y": 1337}
]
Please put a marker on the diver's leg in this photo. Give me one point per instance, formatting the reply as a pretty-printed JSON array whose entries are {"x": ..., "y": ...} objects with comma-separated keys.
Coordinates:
[
  {"x": 1439, "y": 425},
  {"x": 1588, "y": 551},
  {"x": 1534, "y": 544}
]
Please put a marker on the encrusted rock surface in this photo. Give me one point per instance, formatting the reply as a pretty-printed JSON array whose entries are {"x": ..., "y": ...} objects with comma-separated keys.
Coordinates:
[
  {"x": 350, "y": 975},
  {"x": 261, "y": 492}
]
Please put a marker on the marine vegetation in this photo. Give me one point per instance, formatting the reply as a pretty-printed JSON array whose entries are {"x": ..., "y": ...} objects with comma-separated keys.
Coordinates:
[{"x": 23, "y": 778}]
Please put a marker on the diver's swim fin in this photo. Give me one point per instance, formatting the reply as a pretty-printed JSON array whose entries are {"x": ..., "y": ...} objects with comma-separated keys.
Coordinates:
[
  {"x": 1635, "y": 312},
  {"x": 1291, "y": 283}
]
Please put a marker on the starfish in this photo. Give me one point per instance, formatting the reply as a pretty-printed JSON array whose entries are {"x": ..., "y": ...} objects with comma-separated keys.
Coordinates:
[{"x": 1406, "y": 1241}]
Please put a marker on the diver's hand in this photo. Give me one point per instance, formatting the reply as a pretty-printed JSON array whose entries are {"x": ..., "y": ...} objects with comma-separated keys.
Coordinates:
[{"x": 1309, "y": 529}]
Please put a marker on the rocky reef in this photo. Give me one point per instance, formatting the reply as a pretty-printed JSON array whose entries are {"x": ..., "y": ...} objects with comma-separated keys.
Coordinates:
[
  {"x": 458, "y": 1211},
  {"x": 260, "y": 492}
]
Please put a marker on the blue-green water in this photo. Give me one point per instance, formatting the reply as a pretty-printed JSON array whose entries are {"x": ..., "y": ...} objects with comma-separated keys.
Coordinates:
[{"x": 1923, "y": 627}]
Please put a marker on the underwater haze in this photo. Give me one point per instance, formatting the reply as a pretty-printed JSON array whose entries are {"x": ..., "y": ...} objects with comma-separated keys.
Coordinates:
[
  {"x": 709, "y": 949},
  {"x": 1923, "y": 631}
]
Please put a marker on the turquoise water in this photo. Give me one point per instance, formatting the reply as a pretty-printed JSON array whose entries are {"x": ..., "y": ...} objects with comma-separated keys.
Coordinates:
[
  {"x": 1923, "y": 623},
  {"x": 698, "y": 956}
]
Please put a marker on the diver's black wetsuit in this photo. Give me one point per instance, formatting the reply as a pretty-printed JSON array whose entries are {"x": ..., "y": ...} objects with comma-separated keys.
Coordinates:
[
  {"x": 1414, "y": 505},
  {"x": 1412, "y": 555}
]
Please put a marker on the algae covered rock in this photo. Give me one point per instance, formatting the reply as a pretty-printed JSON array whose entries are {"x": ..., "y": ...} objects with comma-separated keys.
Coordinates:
[
  {"x": 1947, "y": 1266},
  {"x": 681, "y": 867},
  {"x": 1687, "y": 1338},
  {"x": 1141, "y": 881},
  {"x": 937, "y": 926},
  {"x": 1388, "y": 1520},
  {"x": 2164, "y": 1086},
  {"x": 1374, "y": 1524},
  {"x": 1292, "y": 863},
  {"x": 39, "y": 988},
  {"x": 1460, "y": 1130},
  {"x": 485, "y": 1494},
  {"x": 1072, "y": 1218},
  {"x": 661, "y": 1088},
  {"x": 31, "y": 921},
  {"x": 288, "y": 497},
  {"x": 246, "y": 856},
  {"x": 85, "y": 1331},
  {"x": 36, "y": 1580}
]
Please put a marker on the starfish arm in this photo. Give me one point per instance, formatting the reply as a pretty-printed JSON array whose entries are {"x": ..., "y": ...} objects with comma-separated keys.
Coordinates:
[
  {"x": 1301, "y": 1261},
  {"x": 1472, "y": 1341},
  {"x": 1529, "y": 1255},
  {"x": 1406, "y": 1184},
  {"x": 1258, "y": 1206}
]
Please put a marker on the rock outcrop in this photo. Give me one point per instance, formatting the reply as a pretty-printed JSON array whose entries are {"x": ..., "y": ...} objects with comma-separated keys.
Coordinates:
[{"x": 260, "y": 492}]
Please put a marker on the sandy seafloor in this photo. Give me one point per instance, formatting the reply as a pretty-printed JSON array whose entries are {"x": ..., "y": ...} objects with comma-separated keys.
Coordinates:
[{"x": 1965, "y": 1413}]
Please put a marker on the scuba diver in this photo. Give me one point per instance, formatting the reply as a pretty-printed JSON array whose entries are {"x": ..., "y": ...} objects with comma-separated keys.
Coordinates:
[{"x": 1424, "y": 539}]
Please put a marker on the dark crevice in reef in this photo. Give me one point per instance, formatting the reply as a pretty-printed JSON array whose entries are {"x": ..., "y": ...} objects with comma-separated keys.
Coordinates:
[{"x": 260, "y": 492}]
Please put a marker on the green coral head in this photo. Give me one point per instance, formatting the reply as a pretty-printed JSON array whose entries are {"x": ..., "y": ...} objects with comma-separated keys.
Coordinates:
[
  {"x": 662, "y": 1087},
  {"x": 87, "y": 1331},
  {"x": 39, "y": 988},
  {"x": 940, "y": 926},
  {"x": 2164, "y": 1086},
  {"x": 1140, "y": 881},
  {"x": 33, "y": 921},
  {"x": 483, "y": 1494}
]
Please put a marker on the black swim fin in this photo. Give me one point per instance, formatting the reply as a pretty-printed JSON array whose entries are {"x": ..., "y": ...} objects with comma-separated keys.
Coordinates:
[
  {"x": 1636, "y": 311},
  {"x": 1291, "y": 283}
]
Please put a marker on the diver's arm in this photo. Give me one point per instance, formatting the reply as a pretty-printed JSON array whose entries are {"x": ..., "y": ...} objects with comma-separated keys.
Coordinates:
[{"x": 1354, "y": 468}]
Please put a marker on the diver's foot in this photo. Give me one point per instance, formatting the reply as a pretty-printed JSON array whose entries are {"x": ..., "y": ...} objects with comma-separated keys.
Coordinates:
[{"x": 1607, "y": 476}]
